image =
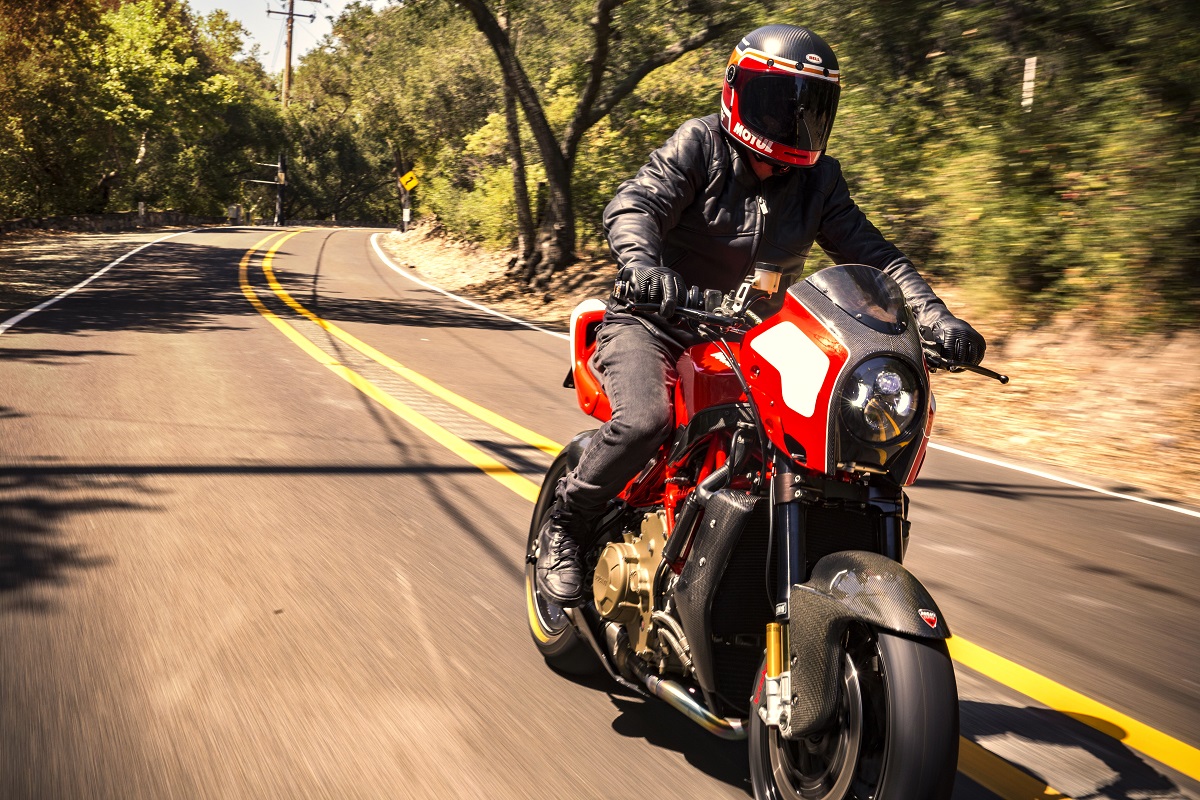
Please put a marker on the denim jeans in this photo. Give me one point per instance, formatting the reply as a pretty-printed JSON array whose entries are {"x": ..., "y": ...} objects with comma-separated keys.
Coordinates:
[{"x": 637, "y": 369}]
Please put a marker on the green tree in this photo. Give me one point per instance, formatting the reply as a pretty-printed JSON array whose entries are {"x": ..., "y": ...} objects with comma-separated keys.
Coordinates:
[
  {"x": 107, "y": 103},
  {"x": 638, "y": 51}
]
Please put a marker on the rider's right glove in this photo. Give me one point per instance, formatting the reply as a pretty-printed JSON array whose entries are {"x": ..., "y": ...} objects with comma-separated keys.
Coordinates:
[
  {"x": 957, "y": 340},
  {"x": 654, "y": 284}
]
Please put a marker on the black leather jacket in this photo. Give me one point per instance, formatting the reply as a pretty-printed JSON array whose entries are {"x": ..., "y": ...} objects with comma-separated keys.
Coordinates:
[{"x": 698, "y": 208}]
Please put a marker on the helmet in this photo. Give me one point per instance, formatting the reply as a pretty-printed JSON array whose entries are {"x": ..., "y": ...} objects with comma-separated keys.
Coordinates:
[{"x": 781, "y": 94}]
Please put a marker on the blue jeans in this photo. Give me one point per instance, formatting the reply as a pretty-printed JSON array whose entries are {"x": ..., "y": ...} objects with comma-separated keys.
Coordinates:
[{"x": 636, "y": 367}]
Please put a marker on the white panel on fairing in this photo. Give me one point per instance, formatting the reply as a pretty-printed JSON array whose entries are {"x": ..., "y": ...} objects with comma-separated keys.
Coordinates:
[{"x": 801, "y": 363}]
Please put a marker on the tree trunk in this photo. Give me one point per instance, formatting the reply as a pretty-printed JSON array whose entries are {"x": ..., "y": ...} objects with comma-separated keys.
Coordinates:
[
  {"x": 516, "y": 161},
  {"x": 555, "y": 246}
]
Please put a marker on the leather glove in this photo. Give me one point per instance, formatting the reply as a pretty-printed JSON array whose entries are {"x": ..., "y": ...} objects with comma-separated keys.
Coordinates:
[
  {"x": 654, "y": 284},
  {"x": 957, "y": 340}
]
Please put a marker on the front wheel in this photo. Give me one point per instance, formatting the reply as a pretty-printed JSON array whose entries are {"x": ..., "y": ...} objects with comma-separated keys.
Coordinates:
[
  {"x": 552, "y": 633},
  {"x": 895, "y": 738}
]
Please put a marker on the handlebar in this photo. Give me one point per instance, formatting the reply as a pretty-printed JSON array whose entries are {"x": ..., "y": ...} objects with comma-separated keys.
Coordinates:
[
  {"x": 933, "y": 356},
  {"x": 703, "y": 317}
]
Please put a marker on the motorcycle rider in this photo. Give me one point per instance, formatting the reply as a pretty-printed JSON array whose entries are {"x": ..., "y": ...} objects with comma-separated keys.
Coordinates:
[{"x": 749, "y": 184}]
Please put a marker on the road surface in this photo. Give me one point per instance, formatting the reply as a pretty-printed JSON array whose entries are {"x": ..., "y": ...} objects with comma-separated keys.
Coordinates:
[{"x": 247, "y": 550}]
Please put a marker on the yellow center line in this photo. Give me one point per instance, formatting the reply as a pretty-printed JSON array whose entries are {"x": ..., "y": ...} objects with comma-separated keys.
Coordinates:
[
  {"x": 464, "y": 450},
  {"x": 978, "y": 764},
  {"x": 513, "y": 429},
  {"x": 1000, "y": 777},
  {"x": 1109, "y": 721}
]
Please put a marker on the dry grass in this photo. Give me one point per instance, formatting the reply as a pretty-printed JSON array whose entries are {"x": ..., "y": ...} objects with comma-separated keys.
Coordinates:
[{"x": 1123, "y": 415}]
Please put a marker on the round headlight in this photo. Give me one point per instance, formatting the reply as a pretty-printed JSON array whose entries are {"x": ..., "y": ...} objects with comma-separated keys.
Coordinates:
[{"x": 881, "y": 400}]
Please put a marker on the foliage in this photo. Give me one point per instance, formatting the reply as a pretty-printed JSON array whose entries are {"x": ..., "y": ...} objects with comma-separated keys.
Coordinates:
[
  {"x": 1086, "y": 198},
  {"x": 108, "y": 104}
]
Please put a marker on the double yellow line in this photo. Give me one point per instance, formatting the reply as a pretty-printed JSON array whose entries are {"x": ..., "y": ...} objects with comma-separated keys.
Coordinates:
[
  {"x": 464, "y": 450},
  {"x": 988, "y": 770}
]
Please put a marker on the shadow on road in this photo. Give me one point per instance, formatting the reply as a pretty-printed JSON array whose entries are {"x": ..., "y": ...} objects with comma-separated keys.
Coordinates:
[
  {"x": 1004, "y": 491},
  {"x": 1099, "y": 765},
  {"x": 47, "y": 356},
  {"x": 176, "y": 287},
  {"x": 664, "y": 727},
  {"x": 33, "y": 508},
  {"x": 1041, "y": 491}
]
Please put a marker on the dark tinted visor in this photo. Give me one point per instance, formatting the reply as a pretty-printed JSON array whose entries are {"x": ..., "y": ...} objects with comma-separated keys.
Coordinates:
[{"x": 794, "y": 110}]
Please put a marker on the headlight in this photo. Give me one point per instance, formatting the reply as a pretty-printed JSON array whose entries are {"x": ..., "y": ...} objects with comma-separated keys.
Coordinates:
[{"x": 881, "y": 400}]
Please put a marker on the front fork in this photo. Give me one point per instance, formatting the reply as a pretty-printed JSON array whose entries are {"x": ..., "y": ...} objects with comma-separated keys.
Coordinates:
[{"x": 791, "y": 498}]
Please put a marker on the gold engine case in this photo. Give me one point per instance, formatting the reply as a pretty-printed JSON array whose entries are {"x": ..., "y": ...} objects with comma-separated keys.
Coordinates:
[{"x": 624, "y": 580}]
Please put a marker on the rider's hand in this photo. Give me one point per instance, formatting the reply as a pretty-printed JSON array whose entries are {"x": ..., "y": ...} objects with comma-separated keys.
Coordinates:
[
  {"x": 655, "y": 284},
  {"x": 957, "y": 340}
]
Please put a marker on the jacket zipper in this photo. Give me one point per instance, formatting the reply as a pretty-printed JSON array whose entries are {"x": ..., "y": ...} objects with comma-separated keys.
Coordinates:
[{"x": 760, "y": 228}]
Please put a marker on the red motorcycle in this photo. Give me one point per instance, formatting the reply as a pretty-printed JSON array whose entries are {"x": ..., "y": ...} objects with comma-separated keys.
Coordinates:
[{"x": 750, "y": 575}]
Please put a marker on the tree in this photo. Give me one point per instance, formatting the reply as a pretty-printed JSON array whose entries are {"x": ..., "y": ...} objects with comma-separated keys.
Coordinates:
[
  {"x": 555, "y": 247},
  {"x": 106, "y": 103}
]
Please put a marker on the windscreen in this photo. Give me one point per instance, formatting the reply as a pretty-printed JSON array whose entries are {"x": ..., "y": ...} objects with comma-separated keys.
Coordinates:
[{"x": 865, "y": 293}]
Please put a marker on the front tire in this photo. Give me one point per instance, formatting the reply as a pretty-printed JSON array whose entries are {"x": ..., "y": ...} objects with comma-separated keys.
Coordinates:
[
  {"x": 896, "y": 736},
  {"x": 552, "y": 633}
]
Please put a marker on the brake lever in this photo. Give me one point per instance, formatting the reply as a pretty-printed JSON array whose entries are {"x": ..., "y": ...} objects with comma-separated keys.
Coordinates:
[{"x": 936, "y": 361}]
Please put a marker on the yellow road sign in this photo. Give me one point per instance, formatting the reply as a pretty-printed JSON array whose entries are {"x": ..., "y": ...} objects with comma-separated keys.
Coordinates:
[{"x": 408, "y": 180}]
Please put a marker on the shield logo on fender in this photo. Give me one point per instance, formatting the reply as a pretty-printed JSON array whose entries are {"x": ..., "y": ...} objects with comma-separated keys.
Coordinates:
[{"x": 930, "y": 617}]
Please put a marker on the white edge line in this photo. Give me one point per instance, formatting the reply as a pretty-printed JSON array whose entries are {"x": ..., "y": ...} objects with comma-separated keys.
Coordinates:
[
  {"x": 955, "y": 451},
  {"x": 485, "y": 309},
  {"x": 29, "y": 312},
  {"x": 1067, "y": 481}
]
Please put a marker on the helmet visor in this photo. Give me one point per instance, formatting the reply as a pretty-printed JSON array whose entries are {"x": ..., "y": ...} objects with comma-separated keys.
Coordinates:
[{"x": 794, "y": 110}]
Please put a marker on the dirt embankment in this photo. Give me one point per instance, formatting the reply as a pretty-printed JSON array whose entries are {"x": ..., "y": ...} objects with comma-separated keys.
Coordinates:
[{"x": 1122, "y": 415}]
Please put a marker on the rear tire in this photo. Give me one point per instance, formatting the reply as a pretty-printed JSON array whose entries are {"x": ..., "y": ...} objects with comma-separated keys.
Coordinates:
[
  {"x": 896, "y": 737},
  {"x": 552, "y": 632}
]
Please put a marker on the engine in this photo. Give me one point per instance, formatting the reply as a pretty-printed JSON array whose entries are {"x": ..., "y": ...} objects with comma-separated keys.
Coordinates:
[{"x": 623, "y": 583}]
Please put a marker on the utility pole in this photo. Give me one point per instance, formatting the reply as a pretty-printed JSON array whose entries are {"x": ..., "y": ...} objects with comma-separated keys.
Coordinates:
[
  {"x": 280, "y": 183},
  {"x": 287, "y": 68}
]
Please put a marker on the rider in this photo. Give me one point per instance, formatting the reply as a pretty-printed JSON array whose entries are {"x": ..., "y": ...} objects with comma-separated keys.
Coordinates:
[{"x": 749, "y": 184}]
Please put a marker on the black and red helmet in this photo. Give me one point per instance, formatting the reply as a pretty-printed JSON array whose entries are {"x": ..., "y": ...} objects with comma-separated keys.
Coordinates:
[{"x": 781, "y": 94}]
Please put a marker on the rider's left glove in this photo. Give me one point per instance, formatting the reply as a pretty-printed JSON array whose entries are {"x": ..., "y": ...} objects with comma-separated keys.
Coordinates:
[
  {"x": 957, "y": 340},
  {"x": 655, "y": 284}
]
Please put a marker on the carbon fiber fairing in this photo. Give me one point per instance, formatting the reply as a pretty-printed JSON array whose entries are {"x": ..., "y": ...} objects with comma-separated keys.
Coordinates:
[
  {"x": 879, "y": 591},
  {"x": 844, "y": 587},
  {"x": 863, "y": 343}
]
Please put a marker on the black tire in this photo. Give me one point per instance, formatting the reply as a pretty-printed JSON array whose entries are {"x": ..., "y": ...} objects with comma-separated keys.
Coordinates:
[
  {"x": 552, "y": 633},
  {"x": 907, "y": 744}
]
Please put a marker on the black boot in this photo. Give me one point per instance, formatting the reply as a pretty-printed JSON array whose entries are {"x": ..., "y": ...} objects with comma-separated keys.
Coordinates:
[{"x": 559, "y": 569}]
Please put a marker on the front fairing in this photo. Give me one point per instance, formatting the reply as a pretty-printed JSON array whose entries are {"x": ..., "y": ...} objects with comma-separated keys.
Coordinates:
[{"x": 800, "y": 365}]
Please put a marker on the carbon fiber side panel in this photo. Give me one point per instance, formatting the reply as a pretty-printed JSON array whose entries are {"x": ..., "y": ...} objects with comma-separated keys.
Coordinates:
[{"x": 725, "y": 518}]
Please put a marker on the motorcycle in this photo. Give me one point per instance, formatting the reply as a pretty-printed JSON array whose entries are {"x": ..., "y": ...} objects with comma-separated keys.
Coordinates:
[{"x": 751, "y": 574}]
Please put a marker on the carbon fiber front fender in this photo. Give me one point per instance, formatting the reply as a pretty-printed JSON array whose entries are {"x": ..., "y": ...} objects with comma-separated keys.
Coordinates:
[{"x": 848, "y": 586}]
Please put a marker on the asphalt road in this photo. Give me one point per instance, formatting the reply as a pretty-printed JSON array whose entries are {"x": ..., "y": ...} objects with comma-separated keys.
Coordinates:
[{"x": 229, "y": 570}]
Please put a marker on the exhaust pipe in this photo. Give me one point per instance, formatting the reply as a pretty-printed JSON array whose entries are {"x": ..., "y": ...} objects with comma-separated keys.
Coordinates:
[{"x": 678, "y": 698}]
